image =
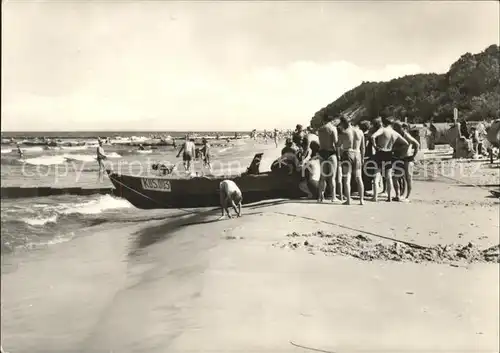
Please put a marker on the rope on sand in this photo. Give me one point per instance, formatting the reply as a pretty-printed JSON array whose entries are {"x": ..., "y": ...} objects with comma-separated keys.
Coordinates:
[
  {"x": 413, "y": 245},
  {"x": 310, "y": 348}
]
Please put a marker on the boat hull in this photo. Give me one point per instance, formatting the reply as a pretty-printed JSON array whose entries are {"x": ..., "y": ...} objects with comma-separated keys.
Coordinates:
[{"x": 161, "y": 192}]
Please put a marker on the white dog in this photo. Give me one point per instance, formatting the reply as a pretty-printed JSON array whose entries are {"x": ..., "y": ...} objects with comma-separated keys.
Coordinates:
[{"x": 230, "y": 195}]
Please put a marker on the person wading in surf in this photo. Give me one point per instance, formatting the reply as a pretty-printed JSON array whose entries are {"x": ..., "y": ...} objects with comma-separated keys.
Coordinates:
[
  {"x": 19, "y": 151},
  {"x": 352, "y": 154},
  {"x": 188, "y": 150},
  {"x": 328, "y": 139},
  {"x": 101, "y": 156},
  {"x": 383, "y": 141},
  {"x": 205, "y": 152}
]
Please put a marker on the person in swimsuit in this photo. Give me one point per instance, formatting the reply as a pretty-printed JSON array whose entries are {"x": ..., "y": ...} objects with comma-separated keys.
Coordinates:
[
  {"x": 366, "y": 127},
  {"x": 275, "y": 137},
  {"x": 20, "y": 151},
  {"x": 404, "y": 161},
  {"x": 298, "y": 136},
  {"x": 230, "y": 195},
  {"x": 101, "y": 156},
  {"x": 289, "y": 148},
  {"x": 383, "y": 141},
  {"x": 205, "y": 153},
  {"x": 188, "y": 150},
  {"x": 311, "y": 172},
  {"x": 307, "y": 141},
  {"x": 327, "y": 154},
  {"x": 352, "y": 153}
]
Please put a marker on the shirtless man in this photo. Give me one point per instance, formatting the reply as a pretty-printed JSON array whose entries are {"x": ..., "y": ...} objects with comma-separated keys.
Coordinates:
[
  {"x": 404, "y": 159},
  {"x": 205, "y": 152},
  {"x": 328, "y": 140},
  {"x": 188, "y": 151},
  {"x": 298, "y": 135},
  {"x": 230, "y": 195},
  {"x": 101, "y": 156},
  {"x": 383, "y": 141},
  {"x": 275, "y": 137},
  {"x": 289, "y": 148},
  {"x": 352, "y": 153},
  {"x": 307, "y": 142}
]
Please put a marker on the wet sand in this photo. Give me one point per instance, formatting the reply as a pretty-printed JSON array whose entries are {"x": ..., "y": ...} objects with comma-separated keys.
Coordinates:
[{"x": 192, "y": 284}]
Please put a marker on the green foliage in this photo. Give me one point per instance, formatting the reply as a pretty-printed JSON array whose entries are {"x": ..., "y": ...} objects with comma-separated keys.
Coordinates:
[{"x": 472, "y": 85}]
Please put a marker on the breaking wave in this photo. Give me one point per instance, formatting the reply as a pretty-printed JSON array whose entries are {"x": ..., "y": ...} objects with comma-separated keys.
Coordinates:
[
  {"x": 28, "y": 224},
  {"x": 61, "y": 159}
]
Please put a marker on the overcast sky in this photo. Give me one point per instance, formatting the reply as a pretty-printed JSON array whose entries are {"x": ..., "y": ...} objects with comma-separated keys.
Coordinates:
[{"x": 216, "y": 65}]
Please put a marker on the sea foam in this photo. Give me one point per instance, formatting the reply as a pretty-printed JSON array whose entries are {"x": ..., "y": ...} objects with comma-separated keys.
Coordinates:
[
  {"x": 40, "y": 221},
  {"x": 103, "y": 203}
]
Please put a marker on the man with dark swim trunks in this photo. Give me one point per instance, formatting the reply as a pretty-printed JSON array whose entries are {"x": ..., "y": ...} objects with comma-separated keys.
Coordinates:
[
  {"x": 328, "y": 158},
  {"x": 352, "y": 151},
  {"x": 188, "y": 151},
  {"x": 205, "y": 153},
  {"x": 404, "y": 159},
  {"x": 101, "y": 156},
  {"x": 383, "y": 141}
]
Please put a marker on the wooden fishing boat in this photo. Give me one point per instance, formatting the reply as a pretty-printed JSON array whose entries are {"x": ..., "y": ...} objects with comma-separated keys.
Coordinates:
[
  {"x": 166, "y": 192},
  {"x": 495, "y": 193}
]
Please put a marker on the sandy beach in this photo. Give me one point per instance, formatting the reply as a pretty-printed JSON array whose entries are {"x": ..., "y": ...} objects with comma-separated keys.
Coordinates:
[
  {"x": 187, "y": 283},
  {"x": 127, "y": 124}
]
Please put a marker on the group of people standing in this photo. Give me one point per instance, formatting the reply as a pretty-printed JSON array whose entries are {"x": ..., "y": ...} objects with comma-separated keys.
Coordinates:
[{"x": 382, "y": 150}]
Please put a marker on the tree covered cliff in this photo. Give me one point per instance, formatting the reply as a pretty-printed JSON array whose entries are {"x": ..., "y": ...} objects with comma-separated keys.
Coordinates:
[{"x": 472, "y": 84}]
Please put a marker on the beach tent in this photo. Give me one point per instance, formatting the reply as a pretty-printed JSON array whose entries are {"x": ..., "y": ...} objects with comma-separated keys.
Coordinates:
[
  {"x": 444, "y": 133},
  {"x": 493, "y": 133}
]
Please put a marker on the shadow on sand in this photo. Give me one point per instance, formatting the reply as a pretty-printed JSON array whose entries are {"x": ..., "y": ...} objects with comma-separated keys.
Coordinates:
[
  {"x": 151, "y": 235},
  {"x": 161, "y": 232},
  {"x": 157, "y": 233}
]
